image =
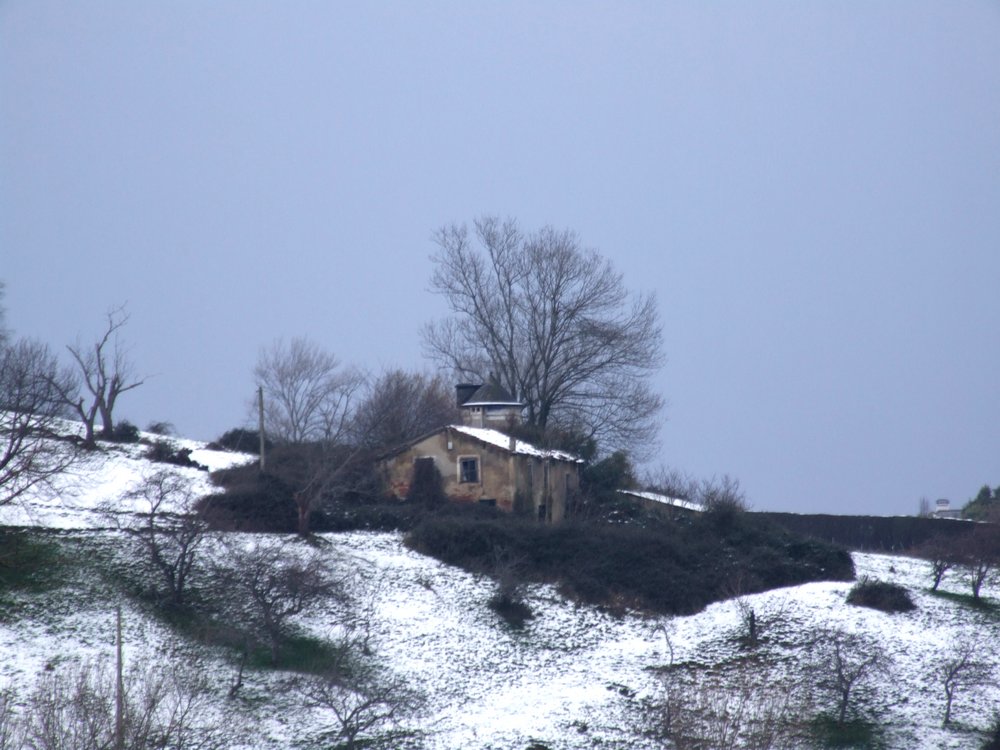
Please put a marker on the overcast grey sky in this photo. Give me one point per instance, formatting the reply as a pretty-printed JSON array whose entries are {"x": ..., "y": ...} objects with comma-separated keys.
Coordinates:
[{"x": 812, "y": 190}]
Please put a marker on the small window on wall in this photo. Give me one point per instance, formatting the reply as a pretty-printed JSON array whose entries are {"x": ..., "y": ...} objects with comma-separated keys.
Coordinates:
[{"x": 468, "y": 469}]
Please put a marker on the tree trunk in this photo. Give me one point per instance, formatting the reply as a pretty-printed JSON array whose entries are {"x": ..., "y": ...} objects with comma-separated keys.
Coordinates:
[
  {"x": 947, "y": 709},
  {"x": 302, "y": 505},
  {"x": 107, "y": 426}
]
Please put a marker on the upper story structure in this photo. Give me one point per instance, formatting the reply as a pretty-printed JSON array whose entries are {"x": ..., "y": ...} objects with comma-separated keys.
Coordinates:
[{"x": 489, "y": 405}]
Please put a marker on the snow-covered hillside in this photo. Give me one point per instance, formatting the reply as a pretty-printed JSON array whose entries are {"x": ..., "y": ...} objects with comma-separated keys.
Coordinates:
[{"x": 573, "y": 677}]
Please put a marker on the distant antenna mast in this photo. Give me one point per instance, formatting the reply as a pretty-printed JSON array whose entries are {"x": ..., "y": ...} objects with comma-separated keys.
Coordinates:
[{"x": 260, "y": 424}]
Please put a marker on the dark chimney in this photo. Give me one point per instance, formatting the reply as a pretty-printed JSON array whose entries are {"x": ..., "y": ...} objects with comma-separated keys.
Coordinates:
[{"x": 464, "y": 391}]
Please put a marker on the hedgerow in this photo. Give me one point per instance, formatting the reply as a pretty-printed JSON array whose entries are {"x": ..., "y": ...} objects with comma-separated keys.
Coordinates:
[{"x": 674, "y": 569}]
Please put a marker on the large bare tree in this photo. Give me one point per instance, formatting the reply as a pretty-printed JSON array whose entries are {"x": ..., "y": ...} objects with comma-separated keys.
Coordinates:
[
  {"x": 308, "y": 395},
  {"x": 31, "y": 383},
  {"x": 105, "y": 372},
  {"x": 554, "y": 323}
]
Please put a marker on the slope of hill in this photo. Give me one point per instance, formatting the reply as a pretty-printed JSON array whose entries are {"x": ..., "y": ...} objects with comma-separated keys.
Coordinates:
[{"x": 573, "y": 677}]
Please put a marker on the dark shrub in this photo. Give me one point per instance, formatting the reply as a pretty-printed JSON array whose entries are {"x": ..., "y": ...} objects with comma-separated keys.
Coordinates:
[
  {"x": 164, "y": 429},
  {"x": 241, "y": 440},
  {"x": 612, "y": 473},
  {"x": 386, "y": 515},
  {"x": 125, "y": 432},
  {"x": 881, "y": 595},
  {"x": 427, "y": 488},
  {"x": 671, "y": 569},
  {"x": 514, "y": 611},
  {"x": 165, "y": 452},
  {"x": 993, "y": 736},
  {"x": 262, "y": 505},
  {"x": 888, "y": 533}
]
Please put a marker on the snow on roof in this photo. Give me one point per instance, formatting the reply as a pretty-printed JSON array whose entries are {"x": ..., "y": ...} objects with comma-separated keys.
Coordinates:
[
  {"x": 656, "y": 497},
  {"x": 502, "y": 440}
]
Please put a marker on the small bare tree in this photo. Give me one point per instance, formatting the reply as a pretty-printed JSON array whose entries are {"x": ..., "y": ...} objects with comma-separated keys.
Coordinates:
[
  {"x": 331, "y": 469},
  {"x": 942, "y": 554},
  {"x": 167, "y": 529},
  {"x": 105, "y": 372},
  {"x": 924, "y": 509},
  {"x": 75, "y": 709},
  {"x": 979, "y": 556},
  {"x": 510, "y": 595},
  {"x": 959, "y": 670},
  {"x": 362, "y": 709},
  {"x": 308, "y": 395},
  {"x": 30, "y": 386},
  {"x": 11, "y": 728},
  {"x": 739, "y": 710},
  {"x": 266, "y": 585},
  {"x": 755, "y": 621},
  {"x": 847, "y": 665}
]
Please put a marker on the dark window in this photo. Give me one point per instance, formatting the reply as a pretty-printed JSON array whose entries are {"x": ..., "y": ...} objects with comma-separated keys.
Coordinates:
[
  {"x": 468, "y": 470},
  {"x": 490, "y": 501}
]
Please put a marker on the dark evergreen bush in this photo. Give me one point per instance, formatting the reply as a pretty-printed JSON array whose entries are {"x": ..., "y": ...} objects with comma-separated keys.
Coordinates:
[
  {"x": 880, "y": 595},
  {"x": 125, "y": 432}
]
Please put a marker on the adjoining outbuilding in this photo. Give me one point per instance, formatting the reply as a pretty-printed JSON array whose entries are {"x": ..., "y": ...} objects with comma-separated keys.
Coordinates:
[
  {"x": 483, "y": 465},
  {"x": 670, "y": 506}
]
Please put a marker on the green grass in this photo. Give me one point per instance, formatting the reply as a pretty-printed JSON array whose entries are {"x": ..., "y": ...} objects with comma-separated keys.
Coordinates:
[
  {"x": 857, "y": 734},
  {"x": 301, "y": 653},
  {"x": 197, "y": 623},
  {"x": 982, "y": 604},
  {"x": 29, "y": 562}
]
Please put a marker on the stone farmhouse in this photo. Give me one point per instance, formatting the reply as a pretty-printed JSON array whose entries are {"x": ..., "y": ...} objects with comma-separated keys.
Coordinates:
[{"x": 481, "y": 464}]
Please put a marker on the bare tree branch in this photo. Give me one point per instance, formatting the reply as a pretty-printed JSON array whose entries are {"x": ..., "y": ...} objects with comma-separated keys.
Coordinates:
[
  {"x": 31, "y": 383},
  {"x": 308, "y": 395}
]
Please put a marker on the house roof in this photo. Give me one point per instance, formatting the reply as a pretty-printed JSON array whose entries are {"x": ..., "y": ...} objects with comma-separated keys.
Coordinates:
[
  {"x": 656, "y": 497},
  {"x": 495, "y": 439},
  {"x": 502, "y": 440}
]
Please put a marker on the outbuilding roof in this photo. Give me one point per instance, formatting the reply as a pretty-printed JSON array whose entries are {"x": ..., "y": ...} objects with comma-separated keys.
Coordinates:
[{"x": 656, "y": 497}]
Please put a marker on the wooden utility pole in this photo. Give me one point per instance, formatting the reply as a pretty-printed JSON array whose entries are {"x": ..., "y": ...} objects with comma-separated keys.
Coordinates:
[
  {"x": 119, "y": 686},
  {"x": 260, "y": 424}
]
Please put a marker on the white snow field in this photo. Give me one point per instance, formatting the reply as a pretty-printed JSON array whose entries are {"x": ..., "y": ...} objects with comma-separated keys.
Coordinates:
[{"x": 573, "y": 677}]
